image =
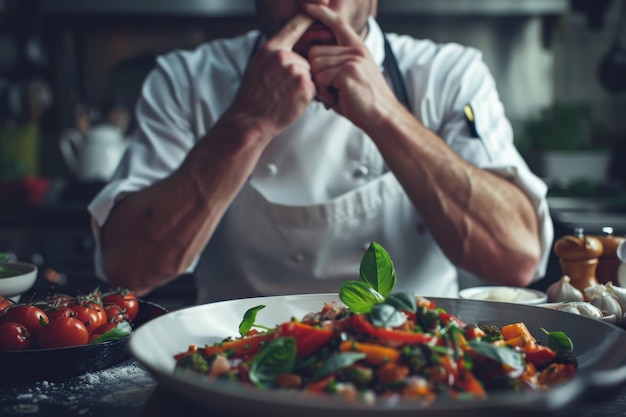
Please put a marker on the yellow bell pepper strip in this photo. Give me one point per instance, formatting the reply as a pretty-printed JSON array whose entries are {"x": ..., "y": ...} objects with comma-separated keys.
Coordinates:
[
  {"x": 517, "y": 334},
  {"x": 239, "y": 348},
  {"x": 394, "y": 337},
  {"x": 308, "y": 338},
  {"x": 376, "y": 355}
]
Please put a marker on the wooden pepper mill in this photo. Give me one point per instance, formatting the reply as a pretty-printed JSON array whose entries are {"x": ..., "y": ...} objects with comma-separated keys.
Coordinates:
[
  {"x": 608, "y": 263},
  {"x": 578, "y": 255}
]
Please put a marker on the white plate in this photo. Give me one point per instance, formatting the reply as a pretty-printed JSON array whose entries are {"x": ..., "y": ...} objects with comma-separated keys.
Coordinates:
[{"x": 602, "y": 363}]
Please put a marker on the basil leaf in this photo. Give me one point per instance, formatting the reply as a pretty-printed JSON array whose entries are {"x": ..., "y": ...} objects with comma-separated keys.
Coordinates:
[
  {"x": 377, "y": 269},
  {"x": 248, "y": 320},
  {"x": 359, "y": 297},
  {"x": 501, "y": 354},
  {"x": 122, "y": 329},
  {"x": 337, "y": 362},
  {"x": 275, "y": 358},
  {"x": 559, "y": 341},
  {"x": 386, "y": 315},
  {"x": 402, "y": 301}
]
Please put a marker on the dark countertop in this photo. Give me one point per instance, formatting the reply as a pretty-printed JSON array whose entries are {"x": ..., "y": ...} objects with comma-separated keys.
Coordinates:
[{"x": 127, "y": 390}]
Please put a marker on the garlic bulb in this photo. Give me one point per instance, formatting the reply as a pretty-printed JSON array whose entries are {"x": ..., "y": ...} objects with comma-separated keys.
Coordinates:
[
  {"x": 563, "y": 290},
  {"x": 581, "y": 308},
  {"x": 619, "y": 293},
  {"x": 605, "y": 301}
]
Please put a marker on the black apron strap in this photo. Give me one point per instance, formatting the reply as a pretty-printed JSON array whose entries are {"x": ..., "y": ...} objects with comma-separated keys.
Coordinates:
[{"x": 390, "y": 64}]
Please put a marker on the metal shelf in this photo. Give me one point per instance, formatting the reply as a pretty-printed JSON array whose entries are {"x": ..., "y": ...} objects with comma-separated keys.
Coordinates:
[{"x": 229, "y": 8}]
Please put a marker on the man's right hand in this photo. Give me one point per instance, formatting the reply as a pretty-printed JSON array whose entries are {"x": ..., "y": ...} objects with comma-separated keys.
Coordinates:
[{"x": 277, "y": 85}]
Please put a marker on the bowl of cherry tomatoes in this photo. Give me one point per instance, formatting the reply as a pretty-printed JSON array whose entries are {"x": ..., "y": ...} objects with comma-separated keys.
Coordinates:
[{"x": 63, "y": 335}]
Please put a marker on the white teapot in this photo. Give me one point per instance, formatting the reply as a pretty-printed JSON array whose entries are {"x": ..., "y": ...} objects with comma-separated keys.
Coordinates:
[{"x": 95, "y": 155}]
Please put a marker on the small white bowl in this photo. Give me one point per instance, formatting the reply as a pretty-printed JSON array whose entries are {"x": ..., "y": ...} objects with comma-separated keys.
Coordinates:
[
  {"x": 16, "y": 278},
  {"x": 504, "y": 294}
]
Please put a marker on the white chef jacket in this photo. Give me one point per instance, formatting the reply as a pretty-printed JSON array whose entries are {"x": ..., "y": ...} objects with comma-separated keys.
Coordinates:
[{"x": 320, "y": 192}]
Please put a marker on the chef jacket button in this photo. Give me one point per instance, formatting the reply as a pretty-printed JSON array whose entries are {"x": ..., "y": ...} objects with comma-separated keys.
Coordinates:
[
  {"x": 297, "y": 257},
  {"x": 361, "y": 171}
]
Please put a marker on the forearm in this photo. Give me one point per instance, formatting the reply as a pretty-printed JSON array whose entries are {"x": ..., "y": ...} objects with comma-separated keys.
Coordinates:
[
  {"x": 153, "y": 235},
  {"x": 483, "y": 223}
]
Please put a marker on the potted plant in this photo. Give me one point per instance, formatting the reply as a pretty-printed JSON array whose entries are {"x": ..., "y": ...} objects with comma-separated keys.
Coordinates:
[{"x": 559, "y": 145}]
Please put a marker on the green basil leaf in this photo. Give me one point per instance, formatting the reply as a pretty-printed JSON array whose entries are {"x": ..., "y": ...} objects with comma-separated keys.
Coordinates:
[
  {"x": 359, "y": 297},
  {"x": 122, "y": 329},
  {"x": 248, "y": 320},
  {"x": 337, "y": 362},
  {"x": 377, "y": 269},
  {"x": 559, "y": 341},
  {"x": 404, "y": 301},
  {"x": 501, "y": 354},
  {"x": 275, "y": 358},
  {"x": 386, "y": 315}
]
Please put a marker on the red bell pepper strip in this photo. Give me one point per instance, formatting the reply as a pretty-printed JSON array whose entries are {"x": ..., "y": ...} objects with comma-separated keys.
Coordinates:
[
  {"x": 238, "y": 348},
  {"x": 395, "y": 337},
  {"x": 308, "y": 338},
  {"x": 538, "y": 354}
]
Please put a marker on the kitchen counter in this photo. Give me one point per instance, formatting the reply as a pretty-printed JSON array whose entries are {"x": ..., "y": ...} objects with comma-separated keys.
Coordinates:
[{"x": 127, "y": 390}]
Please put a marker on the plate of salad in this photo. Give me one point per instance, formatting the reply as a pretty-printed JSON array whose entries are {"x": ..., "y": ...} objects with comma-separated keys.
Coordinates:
[{"x": 368, "y": 350}]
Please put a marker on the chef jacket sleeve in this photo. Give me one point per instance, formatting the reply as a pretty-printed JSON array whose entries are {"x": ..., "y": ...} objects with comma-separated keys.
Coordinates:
[
  {"x": 159, "y": 146},
  {"x": 474, "y": 124}
]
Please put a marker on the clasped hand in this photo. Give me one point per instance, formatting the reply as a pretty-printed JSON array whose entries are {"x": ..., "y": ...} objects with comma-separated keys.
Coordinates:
[{"x": 279, "y": 83}]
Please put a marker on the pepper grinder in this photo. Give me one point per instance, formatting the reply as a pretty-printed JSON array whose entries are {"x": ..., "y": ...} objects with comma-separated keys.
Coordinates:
[
  {"x": 608, "y": 263},
  {"x": 578, "y": 255}
]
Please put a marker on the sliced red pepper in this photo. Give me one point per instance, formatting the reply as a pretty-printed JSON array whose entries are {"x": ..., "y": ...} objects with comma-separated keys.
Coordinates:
[
  {"x": 238, "y": 348},
  {"x": 538, "y": 354},
  {"x": 308, "y": 338},
  {"x": 395, "y": 337},
  {"x": 447, "y": 317}
]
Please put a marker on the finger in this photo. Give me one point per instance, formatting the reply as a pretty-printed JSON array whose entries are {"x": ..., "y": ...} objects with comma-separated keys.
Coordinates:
[
  {"x": 344, "y": 33},
  {"x": 289, "y": 35}
]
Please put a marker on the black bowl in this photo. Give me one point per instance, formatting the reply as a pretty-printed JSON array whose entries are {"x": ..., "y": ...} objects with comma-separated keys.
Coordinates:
[{"x": 62, "y": 363}]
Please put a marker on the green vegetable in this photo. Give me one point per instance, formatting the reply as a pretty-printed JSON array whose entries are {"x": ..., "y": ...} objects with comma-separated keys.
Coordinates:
[
  {"x": 402, "y": 301},
  {"x": 377, "y": 278},
  {"x": 123, "y": 329},
  {"x": 501, "y": 354},
  {"x": 248, "y": 319},
  {"x": 277, "y": 357},
  {"x": 559, "y": 341},
  {"x": 377, "y": 270},
  {"x": 359, "y": 297},
  {"x": 386, "y": 315},
  {"x": 337, "y": 362},
  {"x": 193, "y": 362}
]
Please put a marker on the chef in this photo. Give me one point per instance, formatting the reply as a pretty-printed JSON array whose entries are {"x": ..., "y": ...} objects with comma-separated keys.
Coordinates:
[{"x": 267, "y": 164}]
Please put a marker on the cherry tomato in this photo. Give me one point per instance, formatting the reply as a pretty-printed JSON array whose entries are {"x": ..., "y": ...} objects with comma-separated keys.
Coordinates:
[
  {"x": 115, "y": 313},
  {"x": 13, "y": 337},
  {"x": 91, "y": 314},
  {"x": 62, "y": 332},
  {"x": 28, "y": 316},
  {"x": 125, "y": 299},
  {"x": 58, "y": 312}
]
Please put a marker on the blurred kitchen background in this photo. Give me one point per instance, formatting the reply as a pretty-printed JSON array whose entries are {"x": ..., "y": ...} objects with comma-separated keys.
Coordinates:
[{"x": 71, "y": 69}]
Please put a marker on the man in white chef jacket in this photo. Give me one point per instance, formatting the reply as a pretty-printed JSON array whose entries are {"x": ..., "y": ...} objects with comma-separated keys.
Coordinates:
[{"x": 267, "y": 163}]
